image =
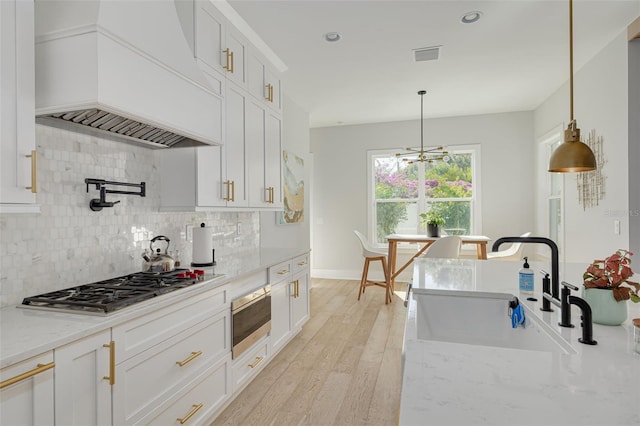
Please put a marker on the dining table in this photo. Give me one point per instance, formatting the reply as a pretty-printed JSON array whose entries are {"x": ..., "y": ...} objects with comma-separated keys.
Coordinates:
[{"x": 480, "y": 241}]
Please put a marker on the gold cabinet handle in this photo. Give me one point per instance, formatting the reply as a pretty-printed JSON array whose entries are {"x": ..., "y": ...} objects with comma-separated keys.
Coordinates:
[
  {"x": 268, "y": 87},
  {"x": 112, "y": 362},
  {"x": 20, "y": 377},
  {"x": 34, "y": 172},
  {"x": 269, "y": 195},
  {"x": 270, "y": 92},
  {"x": 186, "y": 418},
  {"x": 233, "y": 190},
  {"x": 191, "y": 357},
  {"x": 256, "y": 362},
  {"x": 302, "y": 263},
  {"x": 230, "y": 190},
  {"x": 229, "y": 60},
  {"x": 283, "y": 272}
]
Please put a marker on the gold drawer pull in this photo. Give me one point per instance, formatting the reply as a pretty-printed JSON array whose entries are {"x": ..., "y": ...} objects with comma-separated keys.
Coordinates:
[
  {"x": 304, "y": 262},
  {"x": 112, "y": 362},
  {"x": 186, "y": 418},
  {"x": 283, "y": 272},
  {"x": 26, "y": 375},
  {"x": 34, "y": 172},
  {"x": 256, "y": 362},
  {"x": 191, "y": 357}
]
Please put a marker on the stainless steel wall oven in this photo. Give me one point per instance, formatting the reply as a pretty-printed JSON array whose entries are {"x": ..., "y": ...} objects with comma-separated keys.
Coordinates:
[{"x": 250, "y": 319}]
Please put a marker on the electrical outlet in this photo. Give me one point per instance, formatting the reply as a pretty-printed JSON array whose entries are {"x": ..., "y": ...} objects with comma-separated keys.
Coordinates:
[
  {"x": 189, "y": 233},
  {"x": 616, "y": 227}
]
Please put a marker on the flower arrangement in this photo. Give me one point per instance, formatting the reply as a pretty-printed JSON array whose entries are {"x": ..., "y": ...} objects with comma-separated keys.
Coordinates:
[
  {"x": 432, "y": 217},
  {"x": 613, "y": 273}
]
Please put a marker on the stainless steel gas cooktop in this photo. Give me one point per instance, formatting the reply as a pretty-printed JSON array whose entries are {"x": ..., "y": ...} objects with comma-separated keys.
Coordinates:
[{"x": 104, "y": 297}]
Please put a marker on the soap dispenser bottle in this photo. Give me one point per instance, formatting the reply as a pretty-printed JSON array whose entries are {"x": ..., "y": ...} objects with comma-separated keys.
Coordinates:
[{"x": 525, "y": 277}]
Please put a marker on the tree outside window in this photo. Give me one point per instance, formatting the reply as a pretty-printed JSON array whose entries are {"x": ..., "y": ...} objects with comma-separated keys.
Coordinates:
[{"x": 402, "y": 191}]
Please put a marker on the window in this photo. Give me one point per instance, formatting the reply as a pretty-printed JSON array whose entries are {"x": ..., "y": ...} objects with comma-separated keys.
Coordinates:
[
  {"x": 400, "y": 191},
  {"x": 554, "y": 197}
]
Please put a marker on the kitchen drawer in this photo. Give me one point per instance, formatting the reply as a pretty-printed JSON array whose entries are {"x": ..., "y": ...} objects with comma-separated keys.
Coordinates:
[
  {"x": 300, "y": 263},
  {"x": 142, "y": 333},
  {"x": 199, "y": 402},
  {"x": 247, "y": 366},
  {"x": 279, "y": 272},
  {"x": 142, "y": 380},
  {"x": 30, "y": 399}
]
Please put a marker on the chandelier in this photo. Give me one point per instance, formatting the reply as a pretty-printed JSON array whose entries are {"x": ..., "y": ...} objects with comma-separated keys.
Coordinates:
[{"x": 429, "y": 155}]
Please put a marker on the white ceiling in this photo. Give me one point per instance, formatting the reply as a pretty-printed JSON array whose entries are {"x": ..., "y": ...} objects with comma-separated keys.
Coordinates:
[{"x": 513, "y": 58}]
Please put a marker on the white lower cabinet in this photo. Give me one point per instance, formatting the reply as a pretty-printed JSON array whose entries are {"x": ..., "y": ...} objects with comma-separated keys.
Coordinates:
[
  {"x": 148, "y": 379},
  {"x": 300, "y": 299},
  {"x": 26, "y": 394},
  {"x": 289, "y": 300},
  {"x": 249, "y": 364},
  {"x": 280, "y": 315},
  {"x": 199, "y": 401},
  {"x": 84, "y": 373}
]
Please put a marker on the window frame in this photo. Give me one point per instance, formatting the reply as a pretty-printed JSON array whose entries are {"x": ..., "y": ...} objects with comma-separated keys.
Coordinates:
[{"x": 422, "y": 200}]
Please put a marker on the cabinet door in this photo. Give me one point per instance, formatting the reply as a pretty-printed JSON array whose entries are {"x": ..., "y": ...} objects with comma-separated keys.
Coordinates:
[
  {"x": 30, "y": 400},
  {"x": 255, "y": 75},
  {"x": 17, "y": 106},
  {"x": 211, "y": 190},
  {"x": 272, "y": 83},
  {"x": 273, "y": 158},
  {"x": 82, "y": 383},
  {"x": 300, "y": 301},
  {"x": 280, "y": 315},
  {"x": 209, "y": 36},
  {"x": 235, "y": 146},
  {"x": 237, "y": 45},
  {"x": 255, "y": 117}
]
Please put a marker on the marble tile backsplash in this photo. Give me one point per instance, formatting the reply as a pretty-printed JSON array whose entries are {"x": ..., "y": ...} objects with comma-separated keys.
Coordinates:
[{"x": 67, "y": 244}]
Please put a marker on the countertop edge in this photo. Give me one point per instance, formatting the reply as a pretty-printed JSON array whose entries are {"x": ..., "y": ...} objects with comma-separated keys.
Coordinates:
[{"x": 91, "y": 324}]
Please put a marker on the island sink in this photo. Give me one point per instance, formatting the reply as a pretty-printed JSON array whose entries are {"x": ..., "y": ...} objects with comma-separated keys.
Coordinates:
[{"x": 482, "y": 318}]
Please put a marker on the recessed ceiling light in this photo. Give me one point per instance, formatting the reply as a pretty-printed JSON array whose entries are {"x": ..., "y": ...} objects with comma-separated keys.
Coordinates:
[
  {"x": 332, "y": 37},
  {"x": 471, "y": 17}
]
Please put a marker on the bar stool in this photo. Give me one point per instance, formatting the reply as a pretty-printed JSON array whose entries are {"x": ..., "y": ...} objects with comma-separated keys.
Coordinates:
[{"x": 372, "y": 254}]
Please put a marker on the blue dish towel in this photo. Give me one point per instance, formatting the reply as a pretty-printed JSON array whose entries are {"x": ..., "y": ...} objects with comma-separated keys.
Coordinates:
[{"x": 517, "y": 316}]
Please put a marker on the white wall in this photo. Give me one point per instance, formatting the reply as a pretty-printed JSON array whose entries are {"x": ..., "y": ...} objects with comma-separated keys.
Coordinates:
[
  {"x": 340, "y": 173},
  {"x": 600, "y": 103},
  {"x": 295, "y": 140},
  {"x": 634, "y": 146}
]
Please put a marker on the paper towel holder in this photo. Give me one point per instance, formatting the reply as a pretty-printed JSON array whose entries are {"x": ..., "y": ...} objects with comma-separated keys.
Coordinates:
[{"x": 206, "y": 264}]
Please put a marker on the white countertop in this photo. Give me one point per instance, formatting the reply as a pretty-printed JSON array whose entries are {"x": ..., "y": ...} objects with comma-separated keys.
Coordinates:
[
  {"x": 458, "y": 384},
  {"x": 25, "y": 333}
]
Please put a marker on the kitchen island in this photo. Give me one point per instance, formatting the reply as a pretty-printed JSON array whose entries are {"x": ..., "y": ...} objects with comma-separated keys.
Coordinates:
[{"x": 447, "y": 383}]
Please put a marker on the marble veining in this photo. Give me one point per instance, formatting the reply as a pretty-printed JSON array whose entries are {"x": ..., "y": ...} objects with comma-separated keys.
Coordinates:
[{"x": 448, "y": 383}]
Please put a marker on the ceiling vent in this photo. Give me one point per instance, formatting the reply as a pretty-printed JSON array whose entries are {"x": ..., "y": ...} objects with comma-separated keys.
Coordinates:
[{"x": 427, "y": 53}]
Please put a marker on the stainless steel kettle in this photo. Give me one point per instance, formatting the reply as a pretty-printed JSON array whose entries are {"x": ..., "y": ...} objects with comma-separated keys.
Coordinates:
[{"x": 158, "y": 261}]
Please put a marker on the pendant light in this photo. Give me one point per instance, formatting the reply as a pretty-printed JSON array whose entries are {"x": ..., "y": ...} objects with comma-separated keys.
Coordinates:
[
  {"x": 423, "y": 155},
  {"x": 572, "y": 155}
]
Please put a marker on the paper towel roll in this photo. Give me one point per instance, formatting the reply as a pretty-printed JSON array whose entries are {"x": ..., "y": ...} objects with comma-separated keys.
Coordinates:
[{"x": 202, "y": 246}]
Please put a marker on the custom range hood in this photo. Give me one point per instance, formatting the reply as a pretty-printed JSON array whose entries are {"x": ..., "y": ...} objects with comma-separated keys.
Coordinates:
[{"x": 123, "y": 70}]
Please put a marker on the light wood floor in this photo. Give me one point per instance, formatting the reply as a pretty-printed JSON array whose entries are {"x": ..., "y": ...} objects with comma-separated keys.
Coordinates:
[{"x": 343, "y": 368}]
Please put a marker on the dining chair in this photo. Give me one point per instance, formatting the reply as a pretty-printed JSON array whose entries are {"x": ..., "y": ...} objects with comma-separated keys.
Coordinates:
[
  {"x": 514, "y": 252},
  {"x": 444, "y": 248},
  {"x": 372, "y": 254}
]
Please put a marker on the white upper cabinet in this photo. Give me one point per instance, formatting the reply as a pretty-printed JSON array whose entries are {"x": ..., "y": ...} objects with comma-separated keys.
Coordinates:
[
  {"x": 218, "y": 46},
  {"x": 264, "y": 156},
  {"x": 18, "y": 157},
  {"x": 263, "y": 81}
]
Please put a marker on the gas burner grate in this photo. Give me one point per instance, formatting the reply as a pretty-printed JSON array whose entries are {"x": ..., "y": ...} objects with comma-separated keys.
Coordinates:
[{"x": 112, "y": 294}]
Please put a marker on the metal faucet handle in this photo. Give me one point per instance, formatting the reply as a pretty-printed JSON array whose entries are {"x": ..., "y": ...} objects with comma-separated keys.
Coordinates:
[{"x": 570, "y": 286}]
